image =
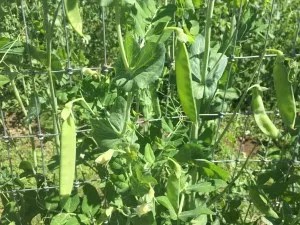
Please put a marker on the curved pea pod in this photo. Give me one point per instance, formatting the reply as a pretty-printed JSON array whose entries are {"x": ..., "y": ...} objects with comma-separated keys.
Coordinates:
[
  {"x": 73, "y": 15},
  {"x": 184, "y": 81},
  {"x": 67, "y": 153},
  {"x": 284, "y": 92},
  {"x": 261, "y": 203},
  {"x": 261, "y": 118}
]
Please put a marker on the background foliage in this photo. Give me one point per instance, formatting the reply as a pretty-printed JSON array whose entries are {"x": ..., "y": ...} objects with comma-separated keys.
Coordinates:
[{"x": 138, "y": 158}]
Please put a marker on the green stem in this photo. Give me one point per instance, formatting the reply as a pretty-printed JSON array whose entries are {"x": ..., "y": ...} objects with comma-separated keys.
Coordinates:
[
  {"x": 204, "y": 67},
  {"x": 120, "y": 38},
  {"x": 127, "y": 111},
  {"x": 126, "y": 64},
  {"x": 50, "y": 76},
  {"x": 17, "y": 94}
]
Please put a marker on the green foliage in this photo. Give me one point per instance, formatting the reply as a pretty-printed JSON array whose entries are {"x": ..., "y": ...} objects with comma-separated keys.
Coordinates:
[{"x": 133, "y": 157}]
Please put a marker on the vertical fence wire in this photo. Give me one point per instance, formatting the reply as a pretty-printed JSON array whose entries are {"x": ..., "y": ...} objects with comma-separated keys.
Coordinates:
[{"x": 40, "y": 135}]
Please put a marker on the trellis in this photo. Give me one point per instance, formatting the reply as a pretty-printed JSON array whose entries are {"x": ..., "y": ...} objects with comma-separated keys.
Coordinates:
[{"x": 40, "y": 136}]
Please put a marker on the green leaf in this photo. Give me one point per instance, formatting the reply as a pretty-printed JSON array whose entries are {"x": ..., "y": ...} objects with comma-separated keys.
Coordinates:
[
  {"x": 73, "y": 221},
  {"x": 197, "y": 3},
  {"x": 144, "y": 12},
  {"x": 206, "y": 187},
  {"x": 83, "y": 219},
  {"x": 173, "y": 190},
  {"x": 42, "y": 57},
  {"x": 149, "y": 155},
  {"x": 261, "y": 203},
  {"x": 104, "y": 133},
  {"x": 73, "y": 15},
  {"x": 71, "y": 204},
  {"x": 91, "y": 200},
  {"x": 106, "y": 2},
  {"x": 216, "y": 71},
  {"x": 60, "y": 219},
  {"x": 184, "y": 216},
  {"x": 163, "y": 200},
  {"x": 210, "y": 169},
  {"x": 3, "y": 80},
  {"x": 146, "y": 65}
]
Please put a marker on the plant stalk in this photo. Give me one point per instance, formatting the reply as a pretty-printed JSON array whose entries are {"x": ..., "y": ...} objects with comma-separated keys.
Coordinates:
[
  {"x": 126, "y": 64},
  {"x": 204, "y": 66},
  {"x": 50, "y": 76}
]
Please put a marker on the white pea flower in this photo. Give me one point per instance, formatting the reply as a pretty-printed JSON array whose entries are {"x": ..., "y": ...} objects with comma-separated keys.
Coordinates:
[
  {"x": 143, "y": 209},
  {"x": 105, "y": 157}
]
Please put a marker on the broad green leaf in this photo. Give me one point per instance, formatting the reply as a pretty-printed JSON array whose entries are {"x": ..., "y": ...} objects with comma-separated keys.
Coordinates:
[
  {"x": 184, "y": 82},
  {"x": 60, "y": 219},
  {"x": 146, "y": 65},
  {"x": 73, "y": 15},
  {"x": 91, "y": 200},
  {"x": 144, "y": 12},
  {"x": 195, "y": 213},
  {"x": 8, "y": 46},
  {"x": 197, "y": 3},
  {"x": 200, "y": 220},
  {"x": 212, "y": 169},
  {"x": 149, "y": 155},
  {"x": 41, "y": 56},
  {"x": 163, "y": 200},
  {"x": 206, "y": 187},
  {"x": 106, "y": 2},
  {"x": 3, "y": 80},
  {"x": 71, "y": 204},
  {"x": 173, "y": 191},
  {"x": 84, "y": 219},
  {"x": 73, "y": 221},
  {"x": 261, "y": 203},
  {"x": 216, "y": 71}
]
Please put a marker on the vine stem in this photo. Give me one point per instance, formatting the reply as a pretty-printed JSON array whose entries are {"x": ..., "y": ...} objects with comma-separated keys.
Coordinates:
[
  {"x": 50, "y": 76},
  {"x": 120, "y": 37},
  {"x": 204, "y": 67},
  {"x": 126, "y": 64}
]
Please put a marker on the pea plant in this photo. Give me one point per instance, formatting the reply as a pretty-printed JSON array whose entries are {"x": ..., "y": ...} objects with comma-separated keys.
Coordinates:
[{"x": 141, "y": 138}]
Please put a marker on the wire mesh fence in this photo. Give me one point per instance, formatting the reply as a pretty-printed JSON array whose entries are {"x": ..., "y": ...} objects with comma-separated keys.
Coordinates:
[{"x": 33, "y": 138}]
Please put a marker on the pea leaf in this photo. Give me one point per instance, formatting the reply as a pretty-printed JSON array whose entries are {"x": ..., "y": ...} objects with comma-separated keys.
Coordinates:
[
  {"x": 60, "y": 219},
  {"x": 163, "y": 200},
  {"x": 3, "y": 80},
  {"x": 71, "y": 204},
  {"x": 146, "y": 65},
  {"x": 195, "y": 213},
  {"x": 173, "y": 190},
  {"x": 91, "y": 200}
]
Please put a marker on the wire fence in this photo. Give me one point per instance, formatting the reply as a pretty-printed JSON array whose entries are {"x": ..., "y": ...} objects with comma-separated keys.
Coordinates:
[{"x": 10, "y": 137}]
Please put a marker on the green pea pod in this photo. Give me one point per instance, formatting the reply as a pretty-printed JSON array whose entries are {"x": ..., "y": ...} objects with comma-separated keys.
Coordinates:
[
  {"x": 67, "y": 154},
  {"x": 284, "y": 92},
  {"x": 261, "y": 118},
  {"x": 184, "y": 81},
  {"x": 73, "y": 15},
  {"x": 261, "y": 203}
]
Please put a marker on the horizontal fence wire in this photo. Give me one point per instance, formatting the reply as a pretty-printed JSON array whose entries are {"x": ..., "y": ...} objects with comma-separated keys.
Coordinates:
[
  {"x": 7, "y": 137},
  {"x": 106, "y": 68}
]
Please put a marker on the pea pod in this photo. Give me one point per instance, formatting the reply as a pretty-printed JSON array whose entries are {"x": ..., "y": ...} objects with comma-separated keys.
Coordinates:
[
  {"x": 73, "y": 15},
  {"x": 261, "y": 118},
  {"x": 284, "y": 92},
  {"x": 184, "y": 81},
  {"x": 67, "y": 153},
  {"x": 261, "y": 203}
]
